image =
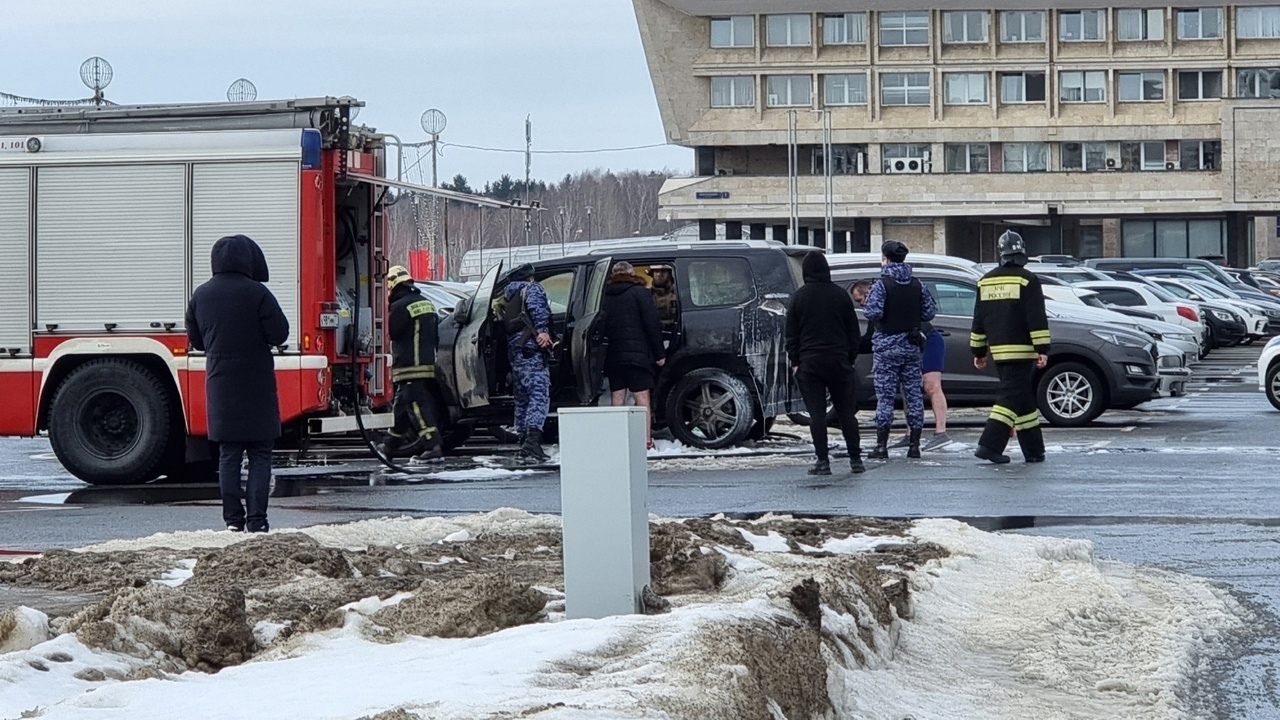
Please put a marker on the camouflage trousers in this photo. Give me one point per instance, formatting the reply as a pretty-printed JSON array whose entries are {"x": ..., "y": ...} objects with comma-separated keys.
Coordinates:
[
  {"x": 891, "y": 371},
  {"x": 532, "y": 388}
]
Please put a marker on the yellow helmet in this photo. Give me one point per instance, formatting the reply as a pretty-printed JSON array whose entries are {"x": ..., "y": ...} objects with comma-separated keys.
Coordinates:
[{"x": 397, "y": 275}]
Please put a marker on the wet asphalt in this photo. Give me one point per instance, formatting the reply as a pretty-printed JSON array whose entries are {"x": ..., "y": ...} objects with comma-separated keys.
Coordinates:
[{"x": 1187, "y": 484}]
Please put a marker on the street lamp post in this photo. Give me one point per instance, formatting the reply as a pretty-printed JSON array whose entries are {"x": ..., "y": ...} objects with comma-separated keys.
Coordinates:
[
  {"x": 564, "y": 231},
  {"x": 590, "y": 234}
]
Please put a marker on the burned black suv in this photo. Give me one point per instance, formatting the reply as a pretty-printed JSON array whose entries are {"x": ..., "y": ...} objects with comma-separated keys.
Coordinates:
[{"x": 726, "y": 375}]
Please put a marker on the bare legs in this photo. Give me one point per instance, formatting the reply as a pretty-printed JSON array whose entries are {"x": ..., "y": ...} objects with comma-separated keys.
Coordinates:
[{"x": 619, "y": 398}]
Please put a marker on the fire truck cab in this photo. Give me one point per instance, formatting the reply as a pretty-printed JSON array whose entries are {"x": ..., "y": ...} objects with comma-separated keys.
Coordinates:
[{"x": 107, "y": 219}]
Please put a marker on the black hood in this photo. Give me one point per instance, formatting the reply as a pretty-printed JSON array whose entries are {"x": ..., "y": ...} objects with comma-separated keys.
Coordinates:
[
  {"x": 239, "y": 254},
  {"x": 815, "y": 268}
]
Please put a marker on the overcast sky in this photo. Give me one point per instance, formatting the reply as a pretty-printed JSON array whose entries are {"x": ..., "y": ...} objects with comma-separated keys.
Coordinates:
[{"x": 576, "y": 66}]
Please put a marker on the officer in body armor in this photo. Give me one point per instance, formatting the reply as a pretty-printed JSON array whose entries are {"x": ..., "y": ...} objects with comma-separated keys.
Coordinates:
[
  {"x": 900, "y": 307},
  {"x": 1010, "y": 327}
]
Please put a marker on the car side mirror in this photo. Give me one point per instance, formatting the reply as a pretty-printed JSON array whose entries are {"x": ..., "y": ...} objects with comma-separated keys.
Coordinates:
[{"x": 462, "y": 311}]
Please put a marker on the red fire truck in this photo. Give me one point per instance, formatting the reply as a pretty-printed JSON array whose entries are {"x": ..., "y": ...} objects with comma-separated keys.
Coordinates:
[{"x": 107, "y": 218}]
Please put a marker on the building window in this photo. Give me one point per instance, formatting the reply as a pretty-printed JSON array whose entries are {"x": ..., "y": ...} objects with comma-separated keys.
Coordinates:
[
  {"x": 891, "y": 152},
  {"x": 845, "y": 160},
  {"x": 1025, "y": 157},
  {"x": 1199, "y": 154},
  {"x": 845, "y": 89},
  {"x": 1258, "y": 82},
  {"x": 1082, "y": 26},
  {"x": 1200, "y": 24},
  {"x": 904, "y": 89},
  {"x": 964, "y": 27},
  {"x": 1172, "y": 238},
  {"x": 787, "y": 30},
  {"x": 1022, "y": 87},
  {"x": 790, "y": 90},
  {"x": 1088, "y": 86},
  {"x": 1141, "y": 86},
  {"x": 846, "y": 29},
  {"x": 733, "y": 92},
  {"x": 1022, "y": 26},
  {"x": 965, "y": 88},
  {"x": 967, "y": 158},
  {"x": 736, "y": 31},
  {"x": 1089, "y": 157},
  {"x": 904, "y": 28},
  {"x": 1257, "y": 23},
  {"x": 1145, "y": 24},
  {"x": 1199, "y": 84},
  {"x": 1147, "y": 155}
]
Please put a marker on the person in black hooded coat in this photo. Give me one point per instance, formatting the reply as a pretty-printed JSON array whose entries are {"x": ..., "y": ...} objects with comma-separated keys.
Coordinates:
[
  {"x": 236, "y": 321},
  {"x": 822, "y": 341},
  {"x": 634, "y": 332}
]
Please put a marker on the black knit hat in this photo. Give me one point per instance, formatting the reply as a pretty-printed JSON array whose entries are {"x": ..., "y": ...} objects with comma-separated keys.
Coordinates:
[
  {"x": 520, "y": 272},
  {"x": 894, "y": 251}
]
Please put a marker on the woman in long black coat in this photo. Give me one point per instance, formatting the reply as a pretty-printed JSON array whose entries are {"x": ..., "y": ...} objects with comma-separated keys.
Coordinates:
[
  {"x": 635, "y": 350},
  {"x": 236, "y": 321}
]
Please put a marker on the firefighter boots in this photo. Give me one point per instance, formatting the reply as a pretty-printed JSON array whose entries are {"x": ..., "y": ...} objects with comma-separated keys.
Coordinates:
[
  {"x": 992, "y": 456},
  {"x": 913, "y": 450}
]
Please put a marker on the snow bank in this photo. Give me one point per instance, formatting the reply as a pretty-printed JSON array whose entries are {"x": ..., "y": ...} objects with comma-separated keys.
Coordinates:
[
  {"x": 932, "y": 620},
  {"x": 366, "y": 533},
  {"x": 22, "y": 628}
]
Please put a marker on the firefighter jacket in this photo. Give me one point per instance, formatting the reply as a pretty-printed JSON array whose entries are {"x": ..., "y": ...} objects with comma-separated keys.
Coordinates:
[
  {"x": 414, "y": 335},
  {"x": 1009, "y": 320}
]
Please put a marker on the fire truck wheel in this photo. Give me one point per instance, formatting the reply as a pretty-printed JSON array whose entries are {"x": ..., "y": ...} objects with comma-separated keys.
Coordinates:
[{"x": 109, "y": 422}]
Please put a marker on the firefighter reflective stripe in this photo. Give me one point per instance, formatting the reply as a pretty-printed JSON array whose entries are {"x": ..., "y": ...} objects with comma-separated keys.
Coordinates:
[
  {"x": 1001, "y": 287},
  {"x": 1004, "y": 415},
  {"x": 977, "y": 340},
  {"x": 1013, "y": 352},
  {"x": 422, "y": 307},
  {"x": 415, "y": 372},
  {"x": 1026, "y": 422},
  {"x": 425, "y": 429},
  {"x": 1039, "y": 337}
]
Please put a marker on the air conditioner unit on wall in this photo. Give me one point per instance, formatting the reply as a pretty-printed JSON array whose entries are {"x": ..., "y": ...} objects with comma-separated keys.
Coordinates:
[
  {"x": 724, "y": 172},
  {"x": 1112, "y": 164},
  {"x": 906, "y": 166},
  {"x": 1171, "y": 166}
]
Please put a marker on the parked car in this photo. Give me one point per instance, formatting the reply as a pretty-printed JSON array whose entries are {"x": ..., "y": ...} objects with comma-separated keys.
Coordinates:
[
  {"x": 444, "y": 297},
  {"x": 726, "y": 375},
  {"x": 1070, "y": 274},
  {"x": 1269, "y": 372},
  {"x": 1184, "y": 267},
  {"x": 1271, "y": 264},
  {"x": 1147, "y": 297},
  {"x": 1074, "y": 303},
  {"x": 1255, "y": 318},
  {"x": 1092, "y": 367}
]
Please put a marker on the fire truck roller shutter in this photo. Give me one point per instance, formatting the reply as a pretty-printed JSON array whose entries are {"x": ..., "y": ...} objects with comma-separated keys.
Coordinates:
[
  {"x": 15, "y": 290},
  {"x": 110, "y": 246},
  {"x": 258, "y": 199}
]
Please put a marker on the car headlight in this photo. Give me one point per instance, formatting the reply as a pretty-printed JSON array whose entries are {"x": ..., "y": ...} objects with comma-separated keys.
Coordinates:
[
  {"x": 1273, "y": 314},
  {"x": 1223, "y": 315},
  {"x": 1181, "y": 337},
  {"x": 1120, "y": 339}
]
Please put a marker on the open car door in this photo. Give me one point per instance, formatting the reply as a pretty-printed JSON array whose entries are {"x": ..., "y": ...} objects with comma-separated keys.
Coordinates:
[
  {"x": 472, "y": 344},
  {"x": 588, "y": 339}
]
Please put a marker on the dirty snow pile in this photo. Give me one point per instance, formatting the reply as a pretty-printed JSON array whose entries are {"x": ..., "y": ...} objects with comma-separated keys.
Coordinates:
[{"x": 463, "y": 617}]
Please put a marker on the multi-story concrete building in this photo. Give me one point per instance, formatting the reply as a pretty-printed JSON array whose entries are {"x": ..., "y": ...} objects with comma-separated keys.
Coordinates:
[{"x": 1096, "y": 131}]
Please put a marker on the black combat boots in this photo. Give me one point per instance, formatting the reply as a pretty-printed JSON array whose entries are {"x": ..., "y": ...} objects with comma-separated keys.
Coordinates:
[
  {"x": 913, "y": 450},
  {"x": 881, "y": 450}
]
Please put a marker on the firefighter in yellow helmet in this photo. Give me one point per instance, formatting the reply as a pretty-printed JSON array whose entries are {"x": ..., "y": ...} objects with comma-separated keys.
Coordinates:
[{"x": 414, "y": 336}]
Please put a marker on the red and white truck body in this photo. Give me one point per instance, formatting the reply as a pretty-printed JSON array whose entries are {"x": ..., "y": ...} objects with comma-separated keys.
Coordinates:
[{"x": 107, "y": 218}]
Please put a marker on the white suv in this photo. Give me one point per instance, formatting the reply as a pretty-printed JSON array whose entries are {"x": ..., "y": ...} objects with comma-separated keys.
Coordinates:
[{"x": 1269, "y": 372}]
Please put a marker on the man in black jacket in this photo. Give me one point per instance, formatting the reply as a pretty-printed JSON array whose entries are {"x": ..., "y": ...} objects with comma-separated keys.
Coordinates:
[
  {"x": 235, "y": 320},
  {"x": 822, "y": 345},
  {"x": 414, "y": 329},
  {"x": 634, "y": 332}
]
